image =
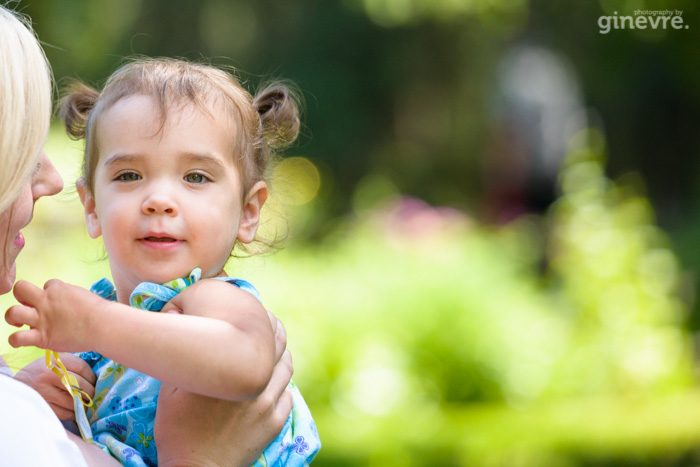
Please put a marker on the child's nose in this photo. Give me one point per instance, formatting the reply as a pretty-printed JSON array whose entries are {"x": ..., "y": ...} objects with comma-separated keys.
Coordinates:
[{"x": 159, "y": 203}]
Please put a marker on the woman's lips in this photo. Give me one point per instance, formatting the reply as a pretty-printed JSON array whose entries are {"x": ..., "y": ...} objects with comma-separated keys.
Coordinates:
[{"x": 19, "y": 240}]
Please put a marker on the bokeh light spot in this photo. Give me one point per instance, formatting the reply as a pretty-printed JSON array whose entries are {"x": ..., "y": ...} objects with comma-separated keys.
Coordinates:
[{"x": 300, "y": 179}]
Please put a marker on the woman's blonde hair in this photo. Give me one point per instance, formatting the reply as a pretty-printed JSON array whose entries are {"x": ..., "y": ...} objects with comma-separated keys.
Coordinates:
[{"x": 25, "y": 104}]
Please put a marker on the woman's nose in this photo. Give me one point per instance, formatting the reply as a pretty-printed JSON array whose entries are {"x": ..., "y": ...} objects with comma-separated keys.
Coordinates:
[{"x": 47, "y": 182}]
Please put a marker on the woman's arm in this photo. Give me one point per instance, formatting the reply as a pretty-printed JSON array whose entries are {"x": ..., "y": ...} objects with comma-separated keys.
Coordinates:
[
  {"x": 192, "y": 430},
  {"x": 222, "y": 346}
]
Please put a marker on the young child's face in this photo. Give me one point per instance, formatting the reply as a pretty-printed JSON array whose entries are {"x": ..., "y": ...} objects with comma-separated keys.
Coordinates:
[{"x": 165, "y": 200}]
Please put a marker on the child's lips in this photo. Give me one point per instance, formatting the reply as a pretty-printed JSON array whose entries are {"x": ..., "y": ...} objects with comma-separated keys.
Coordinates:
[
  {"x": 160, "y": 239},
  {"x": 160, "y": 242}
]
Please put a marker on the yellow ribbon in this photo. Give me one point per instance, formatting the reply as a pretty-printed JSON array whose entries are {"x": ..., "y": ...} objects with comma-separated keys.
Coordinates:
[{"x": 70, "y": 382}]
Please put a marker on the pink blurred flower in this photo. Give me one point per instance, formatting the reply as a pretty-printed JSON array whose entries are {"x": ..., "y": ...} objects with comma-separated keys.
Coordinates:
[{"x": 413, "y": 217}]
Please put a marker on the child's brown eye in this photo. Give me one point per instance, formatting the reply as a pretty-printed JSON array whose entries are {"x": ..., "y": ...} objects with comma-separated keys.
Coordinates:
[{"x": 195, "y": 178}]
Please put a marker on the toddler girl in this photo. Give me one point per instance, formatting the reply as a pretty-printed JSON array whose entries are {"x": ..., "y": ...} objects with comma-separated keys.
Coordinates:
[{"x": 173, "y": 178}]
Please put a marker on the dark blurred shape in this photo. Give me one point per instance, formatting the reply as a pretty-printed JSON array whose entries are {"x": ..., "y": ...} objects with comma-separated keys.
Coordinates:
[{"x": 537, "y": 108}]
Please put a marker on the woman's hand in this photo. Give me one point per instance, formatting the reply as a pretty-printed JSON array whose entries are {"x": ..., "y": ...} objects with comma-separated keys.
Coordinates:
[
  {"x": 58, "y": 316},
  {"x": 196, "y": 430},
  {"x": 37, "y": 376}
]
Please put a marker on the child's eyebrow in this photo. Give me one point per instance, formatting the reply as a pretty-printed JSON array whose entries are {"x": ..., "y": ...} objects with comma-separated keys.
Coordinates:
[
  {"x": 206, "y": 159},
  {"x": 117, "y": 158}
]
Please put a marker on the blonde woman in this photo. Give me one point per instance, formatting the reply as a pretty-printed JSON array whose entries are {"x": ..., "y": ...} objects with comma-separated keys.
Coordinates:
[
  {"x": 26, "y": 175},
  {"x": 30, "y": 432}
]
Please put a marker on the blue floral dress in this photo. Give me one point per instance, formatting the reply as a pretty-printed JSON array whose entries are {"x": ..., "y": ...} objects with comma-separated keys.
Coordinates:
[{"x": 124, "y": 410}]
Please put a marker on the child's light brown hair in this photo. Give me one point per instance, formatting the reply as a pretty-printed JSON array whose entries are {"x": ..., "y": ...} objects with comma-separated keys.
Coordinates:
[{"x": 264, "y": 123}]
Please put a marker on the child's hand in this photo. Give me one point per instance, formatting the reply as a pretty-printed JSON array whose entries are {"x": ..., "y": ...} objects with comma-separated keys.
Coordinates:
[
  {"x": 37, "y": 376},
  {"x": 58, "y": 316}
]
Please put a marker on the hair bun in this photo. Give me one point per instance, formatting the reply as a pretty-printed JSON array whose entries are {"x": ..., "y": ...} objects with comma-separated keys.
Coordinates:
[
  {"x": 75, "y": 108},
  {"x": 278, "y": 108}
]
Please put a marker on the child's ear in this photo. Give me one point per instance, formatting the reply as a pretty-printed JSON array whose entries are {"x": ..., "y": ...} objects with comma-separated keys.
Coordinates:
[
  {"x": 250, "y": 217},
  {"x": 91, "y": 221}
]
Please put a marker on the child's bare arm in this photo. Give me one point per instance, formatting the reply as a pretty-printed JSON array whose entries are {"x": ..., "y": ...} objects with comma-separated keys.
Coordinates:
[{"x": 221, "y": 345}]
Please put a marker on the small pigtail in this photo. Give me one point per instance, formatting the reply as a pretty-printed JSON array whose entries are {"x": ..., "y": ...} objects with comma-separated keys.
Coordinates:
[
  {"x": 79, "y": 100},
  {"x": 278, "y": 107}
]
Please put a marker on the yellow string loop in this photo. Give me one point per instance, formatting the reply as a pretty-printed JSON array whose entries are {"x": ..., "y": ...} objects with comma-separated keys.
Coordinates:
[
  {"x": 78, "y": 395},
  {"x": 70, "y": 382}
]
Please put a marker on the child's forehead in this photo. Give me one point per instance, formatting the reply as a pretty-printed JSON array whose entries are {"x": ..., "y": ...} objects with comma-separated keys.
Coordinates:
[
  {"x": 138, "y": 126},
  {"x": 167, "y": 106},
  {"x": 160, "y": 115}
]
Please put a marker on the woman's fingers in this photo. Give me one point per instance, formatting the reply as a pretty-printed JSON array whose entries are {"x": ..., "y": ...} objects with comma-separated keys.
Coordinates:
[
  {"x": 276, "y": 399},
  {"x": 273, "y": 320},
  {"x": 284, "y": 406},
  {"x": 27, "y": 293},
  {"x": 59, "y": 398},
  {"x": 79, "y": 367},
  {"x": 19, "y": 315},
  {"x": 85, "y": 386},
  {"x": 63, "y": 413},
  {"x": 280, "y": 335},
  {"x": 281, "y": 375},
  {"x": 280, "y": 340}
]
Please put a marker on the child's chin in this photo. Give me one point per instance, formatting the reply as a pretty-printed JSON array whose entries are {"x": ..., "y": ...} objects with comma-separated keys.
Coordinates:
[{"x": 168, "y": 274}]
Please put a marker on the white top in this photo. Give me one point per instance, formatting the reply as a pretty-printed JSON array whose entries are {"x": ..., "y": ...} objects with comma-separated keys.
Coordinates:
[{"x": 30, "y": 433}]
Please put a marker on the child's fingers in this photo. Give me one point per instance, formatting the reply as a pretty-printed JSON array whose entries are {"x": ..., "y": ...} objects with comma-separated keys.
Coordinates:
[
  {"x": 30, "y": 337},
  {"x": 51, "y": 283},
  {"x": 27, "y": 293},
  {"x": 19, "y": 315}
]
